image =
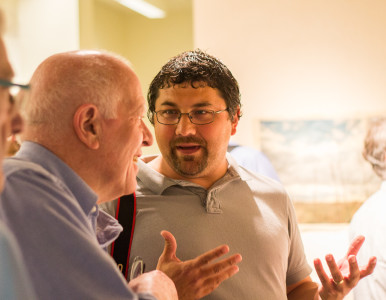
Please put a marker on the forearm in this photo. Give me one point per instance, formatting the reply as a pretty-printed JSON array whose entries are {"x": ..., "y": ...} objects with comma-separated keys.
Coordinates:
[{"x": 306, "y": 291}]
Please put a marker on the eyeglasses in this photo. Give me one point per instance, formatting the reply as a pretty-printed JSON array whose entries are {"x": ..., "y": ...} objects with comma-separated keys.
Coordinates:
[
  {"x": 9, "y": 84},
  {"x": 198, "y": 116},
  {"x": 15, "y": 93}
]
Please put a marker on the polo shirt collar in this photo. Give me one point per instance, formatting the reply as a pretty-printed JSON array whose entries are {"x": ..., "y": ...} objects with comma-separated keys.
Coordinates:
[
  {"x": 158, "y": 183},
  {"x": 155, "y": 181}
]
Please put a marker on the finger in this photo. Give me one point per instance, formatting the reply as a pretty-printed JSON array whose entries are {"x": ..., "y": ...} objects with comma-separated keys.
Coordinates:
[
  {"x": 205, "y": 258},
  {"x": 324, "y": 279},
  {"x": 170, "y": 247},
  {"x": 334, "y": 269},
  {"x": 369, "y": 268},
  {"x": 219, "y": 267},
  {"x": 355, "y": 245},
  {"x": 213, "y": 282},
  {"x": 354, "y": 276}
]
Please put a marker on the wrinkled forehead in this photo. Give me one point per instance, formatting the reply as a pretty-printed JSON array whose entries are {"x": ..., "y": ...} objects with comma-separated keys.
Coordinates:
[{"x": 132, "y": 93}]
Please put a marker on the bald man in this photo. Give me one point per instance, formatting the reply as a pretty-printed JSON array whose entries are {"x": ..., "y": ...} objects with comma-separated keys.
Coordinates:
[{"x": 83, "y": 135}]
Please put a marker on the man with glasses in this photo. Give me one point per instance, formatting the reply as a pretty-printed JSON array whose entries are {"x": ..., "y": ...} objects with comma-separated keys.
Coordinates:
[
  {"x": 198, "y": 192},
  {"x": 14, "y": 280}
]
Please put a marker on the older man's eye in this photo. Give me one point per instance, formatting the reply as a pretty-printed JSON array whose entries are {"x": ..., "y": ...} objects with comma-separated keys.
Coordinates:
[
  {"x": 11, "y": 102},
  {"x": 11, "y": 99}
]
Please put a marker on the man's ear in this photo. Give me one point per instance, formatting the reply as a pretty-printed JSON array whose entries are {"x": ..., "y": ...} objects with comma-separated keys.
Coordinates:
[
  {"x": 235, "y": 120},
  {"x": 87, "y": 125}
]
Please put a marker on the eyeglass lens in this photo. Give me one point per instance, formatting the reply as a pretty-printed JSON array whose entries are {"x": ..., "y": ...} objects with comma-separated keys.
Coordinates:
[{"x": 170, "y": 117}]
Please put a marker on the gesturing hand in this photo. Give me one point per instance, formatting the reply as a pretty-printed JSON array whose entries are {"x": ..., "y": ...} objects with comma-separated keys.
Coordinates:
[
  {"x": 197, "y": 277},
  {"x": 345, "y": 274}
]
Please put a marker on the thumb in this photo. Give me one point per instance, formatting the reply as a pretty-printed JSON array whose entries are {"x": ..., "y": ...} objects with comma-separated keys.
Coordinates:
[{"x": 170, "y": 247}]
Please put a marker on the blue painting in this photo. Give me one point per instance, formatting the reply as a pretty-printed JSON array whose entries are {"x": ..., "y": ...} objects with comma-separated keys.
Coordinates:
[{"x": 320, "y": 160}]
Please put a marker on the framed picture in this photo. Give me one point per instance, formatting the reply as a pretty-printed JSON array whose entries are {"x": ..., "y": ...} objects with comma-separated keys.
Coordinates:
[{"x": 320, "y": 163}]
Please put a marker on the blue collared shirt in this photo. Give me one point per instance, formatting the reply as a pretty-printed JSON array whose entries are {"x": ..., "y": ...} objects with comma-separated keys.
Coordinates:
[
  {"x": 53, "y": 214},
  {"x": 14, "y": 281}
]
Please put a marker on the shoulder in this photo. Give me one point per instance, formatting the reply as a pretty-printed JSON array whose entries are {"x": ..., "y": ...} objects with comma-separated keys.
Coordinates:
[
  {"x": 266, "y": 192},
  {"x": 29, "y": 187},
  {"x": 260, "y": 181},
  {"x": 372, "y": 210},
  {"x": 16, "y": 168}
]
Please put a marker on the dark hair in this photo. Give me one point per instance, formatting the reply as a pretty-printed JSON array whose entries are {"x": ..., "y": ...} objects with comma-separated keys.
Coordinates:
[{"x": 195, "y": 67}]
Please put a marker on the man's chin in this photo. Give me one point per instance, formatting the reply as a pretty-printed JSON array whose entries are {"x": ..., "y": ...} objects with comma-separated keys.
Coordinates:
[
  {"x": 189, "y": 168},
  {"x": 131, "y": 186}
]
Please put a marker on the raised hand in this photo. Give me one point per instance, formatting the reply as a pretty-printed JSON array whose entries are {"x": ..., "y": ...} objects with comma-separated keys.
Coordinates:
[
  {"x": 197, "y": 277},
  {"x": 345, "y": 274}
]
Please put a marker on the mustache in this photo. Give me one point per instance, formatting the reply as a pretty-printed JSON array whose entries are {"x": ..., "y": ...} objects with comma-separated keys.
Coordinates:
[{"x": 188, "y": 139}]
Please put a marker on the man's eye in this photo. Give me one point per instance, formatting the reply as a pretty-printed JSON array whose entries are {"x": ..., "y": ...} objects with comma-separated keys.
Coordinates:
[
  {"x": 200, "y": 112},
  {"x": 170, "y": 112}
]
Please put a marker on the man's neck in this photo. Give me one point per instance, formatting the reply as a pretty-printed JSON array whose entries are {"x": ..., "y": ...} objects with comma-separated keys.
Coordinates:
[{"x": 160, "y": 165}]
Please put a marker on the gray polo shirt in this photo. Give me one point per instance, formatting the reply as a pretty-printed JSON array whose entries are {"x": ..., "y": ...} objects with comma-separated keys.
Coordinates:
[
  {"x": 251, "y": 213},
  {"x": 53, "y": 215}
]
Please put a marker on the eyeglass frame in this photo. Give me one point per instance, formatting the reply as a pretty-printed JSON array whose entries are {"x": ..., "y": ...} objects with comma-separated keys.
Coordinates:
[
  {"x": 213, "y": 112},
  {"x": 8, "y": 84}
]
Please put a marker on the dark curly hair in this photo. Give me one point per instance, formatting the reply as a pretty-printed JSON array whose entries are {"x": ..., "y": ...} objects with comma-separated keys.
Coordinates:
[{"x": 195, "y": 67}]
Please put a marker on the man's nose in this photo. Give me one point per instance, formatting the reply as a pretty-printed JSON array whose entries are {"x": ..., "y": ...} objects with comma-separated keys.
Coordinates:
[
  {"x": 185, "y": 127},
  {"x": 17, "y": 124},
  {"x": 147, "y": 136}
]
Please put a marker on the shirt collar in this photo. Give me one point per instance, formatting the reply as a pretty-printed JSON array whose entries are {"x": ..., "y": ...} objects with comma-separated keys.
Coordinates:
[
  {"x": 40, "y": 155},
  {"x": 158, "y": 183},
  {"x": 107, "y": 228},
  {"x": 155, "y": 181}
]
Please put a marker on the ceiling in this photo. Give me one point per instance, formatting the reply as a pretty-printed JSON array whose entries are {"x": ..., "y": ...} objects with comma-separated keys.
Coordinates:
[{"x": 168, "y": 6}]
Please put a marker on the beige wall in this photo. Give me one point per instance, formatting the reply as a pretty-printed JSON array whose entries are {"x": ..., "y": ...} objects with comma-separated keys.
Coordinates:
[
  {"x": 37, "y": 29},
  {"x": 147, "y": 43},
  {"x": 299, "y": 58}
]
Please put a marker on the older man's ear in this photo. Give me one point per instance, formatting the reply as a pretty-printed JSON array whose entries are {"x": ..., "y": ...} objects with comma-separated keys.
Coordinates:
[{"x": 87, "y": 125}]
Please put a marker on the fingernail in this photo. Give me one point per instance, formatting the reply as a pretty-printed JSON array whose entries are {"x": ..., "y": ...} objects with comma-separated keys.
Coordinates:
[
  {"x": 329, "y": 257},
  {"x": 352, "y": 259}
]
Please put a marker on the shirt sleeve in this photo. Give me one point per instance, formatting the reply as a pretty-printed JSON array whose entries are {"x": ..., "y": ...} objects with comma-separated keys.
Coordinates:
[
  {"x": 59, "y": 246},
  {"x": 298, "y": 267}
]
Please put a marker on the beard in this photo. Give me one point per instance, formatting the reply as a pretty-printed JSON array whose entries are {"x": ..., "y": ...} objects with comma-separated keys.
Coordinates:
[{"x": 188, "y": 165}]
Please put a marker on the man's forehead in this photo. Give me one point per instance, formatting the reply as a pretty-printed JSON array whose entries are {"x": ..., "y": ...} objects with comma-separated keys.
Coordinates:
[
  {"x": 136, "y": 105},
  {"x": 6, "y": 71},
  {"x": 202, "y": 95}
]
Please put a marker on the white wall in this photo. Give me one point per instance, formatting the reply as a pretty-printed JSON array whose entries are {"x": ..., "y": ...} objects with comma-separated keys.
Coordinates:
[
  {"x": 38, "y": 29},
  {"x": 298, "y": 59}
]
